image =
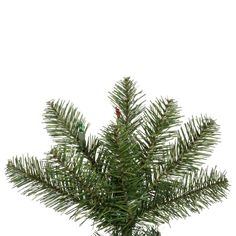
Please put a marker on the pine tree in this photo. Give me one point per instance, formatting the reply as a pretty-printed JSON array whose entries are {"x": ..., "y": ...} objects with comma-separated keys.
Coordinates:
[{"x": 143, "y": 170}]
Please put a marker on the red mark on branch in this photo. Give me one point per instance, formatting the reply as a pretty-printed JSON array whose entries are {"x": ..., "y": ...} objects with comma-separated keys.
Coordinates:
[{"x": 118, "y": 113}]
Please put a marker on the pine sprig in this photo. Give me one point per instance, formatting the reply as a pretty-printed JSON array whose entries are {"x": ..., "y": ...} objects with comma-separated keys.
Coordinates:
[
  {"x": 130, "y": 101},
  {"x": 160, "y": 121},
  {"x": 71, "y": 162},
  {"x": 198, "y": 190},
  {"x": 99, "y": 204},
  {"x": 194, "y": 143},
  {"x": 34, "y": 177},
  {"x": 157, "y": 129},
  {"x": 55, "y": 184},
  {"x": 63, "y": 123}
]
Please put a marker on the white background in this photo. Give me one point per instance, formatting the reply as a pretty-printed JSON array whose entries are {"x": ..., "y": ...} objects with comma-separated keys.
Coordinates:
[{"x": 77, "y": 50}]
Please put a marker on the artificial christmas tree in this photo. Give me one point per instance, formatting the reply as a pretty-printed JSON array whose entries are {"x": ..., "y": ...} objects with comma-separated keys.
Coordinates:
[{"x": 143, "y": 170}]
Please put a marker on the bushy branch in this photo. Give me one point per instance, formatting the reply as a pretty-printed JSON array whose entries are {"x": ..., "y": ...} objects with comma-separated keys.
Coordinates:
[
  {"x": 195, "y": 191},
  {"x": 129, "y": 100},
  {"x": 36, "y": 178},
  {"x": 158, "y": 128},
  {"x": 63, "y": 123},
  {"x": 195, "y": 142}
]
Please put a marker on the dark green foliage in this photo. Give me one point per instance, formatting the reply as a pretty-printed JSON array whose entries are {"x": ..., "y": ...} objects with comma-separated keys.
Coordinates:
[{"x": 143, "y": 170}]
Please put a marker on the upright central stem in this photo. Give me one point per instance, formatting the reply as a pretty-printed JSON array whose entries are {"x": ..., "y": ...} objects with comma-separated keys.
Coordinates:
[{"x": 127, "y": 232}]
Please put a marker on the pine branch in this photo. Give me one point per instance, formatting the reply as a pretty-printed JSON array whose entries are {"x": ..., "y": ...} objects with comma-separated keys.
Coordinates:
[
  {"x": 121, "y": 169},
  {"x": 96, "y": 191},
  {"x": 36, "y": 178},
  {"x": 122, "y": 154},
  {"x": 128, "y": 99},
  {"x": 56, "y": 185},
  {"x": 199, "y": 190},
  {"x": 63, "y": 124},
  {"x": 195, "y": 142},
  {"x": 157, "y": 129},
  {"x": 67, "y": 160},
  {"x": 71, "y": 162}
]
